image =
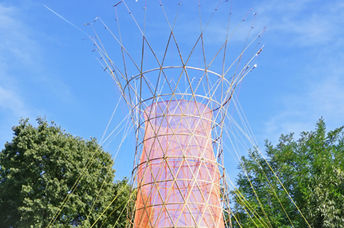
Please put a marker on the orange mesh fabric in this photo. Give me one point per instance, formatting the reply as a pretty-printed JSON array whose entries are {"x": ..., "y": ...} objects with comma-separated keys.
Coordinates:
[{"x": 178, "y": 178}]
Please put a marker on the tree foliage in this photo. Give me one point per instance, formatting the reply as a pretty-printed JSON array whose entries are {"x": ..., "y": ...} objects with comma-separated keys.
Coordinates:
[
  {"x": 38, "y": 169},
  {"x": 310, "y": 168}
]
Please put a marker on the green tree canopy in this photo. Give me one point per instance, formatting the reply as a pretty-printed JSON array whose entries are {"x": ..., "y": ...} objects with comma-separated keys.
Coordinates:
[
  {"x": 310, "y": 168},
  {"x": 38, "y": 170}
]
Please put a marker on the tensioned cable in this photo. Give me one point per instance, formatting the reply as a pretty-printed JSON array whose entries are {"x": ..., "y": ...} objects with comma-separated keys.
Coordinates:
[
  {"x": 128, "y": 127},
  {"x": 247, "y": 206},
  {"x": 274, "y": 173},
  {"x": 71, "y": 191},
  {"x": 110, "y": 120},
  {"x": 117, "y": 130},
  {"x": 244, "y": 120},
  {"x": 249, "y": 180},
  {"x": 246, "y": 174},
  {"x": 109, "y": 205}
]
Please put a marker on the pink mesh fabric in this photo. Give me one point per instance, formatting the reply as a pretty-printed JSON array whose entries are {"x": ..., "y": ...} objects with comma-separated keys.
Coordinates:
[{"x": 178, "y": 177}]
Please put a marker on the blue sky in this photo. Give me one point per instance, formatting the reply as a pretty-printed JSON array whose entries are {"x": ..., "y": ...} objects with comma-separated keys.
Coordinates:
[{"x": 47, "y": 68}]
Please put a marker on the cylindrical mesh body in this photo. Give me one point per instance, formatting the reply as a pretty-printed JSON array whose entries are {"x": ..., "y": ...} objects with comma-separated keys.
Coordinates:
[{"x": 178, "y": 179}]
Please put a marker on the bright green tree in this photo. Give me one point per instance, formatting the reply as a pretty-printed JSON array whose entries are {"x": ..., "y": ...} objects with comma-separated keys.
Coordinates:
[
  {"x": 310, "y": 168},
  {"x": 38, "y": 170}
]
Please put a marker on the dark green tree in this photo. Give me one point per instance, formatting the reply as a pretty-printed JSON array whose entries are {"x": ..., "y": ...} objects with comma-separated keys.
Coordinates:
[
  {"x": 38, "y": 170},
  {"x": 310, "y": 168}
]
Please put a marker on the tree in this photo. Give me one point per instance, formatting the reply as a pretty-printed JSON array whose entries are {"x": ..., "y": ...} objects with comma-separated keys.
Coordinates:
[
  {"x": 311, "y": 169},
  {"x": 38, "y": 170}
]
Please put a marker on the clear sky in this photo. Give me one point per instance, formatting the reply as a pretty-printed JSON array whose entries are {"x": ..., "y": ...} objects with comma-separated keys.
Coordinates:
[{"x": 47, "y": 68}]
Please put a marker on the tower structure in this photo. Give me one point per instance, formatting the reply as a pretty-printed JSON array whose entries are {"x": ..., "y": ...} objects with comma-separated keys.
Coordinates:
[
  {"x": 178, "y": 102},
  {"x": 178, "y": 177}
]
